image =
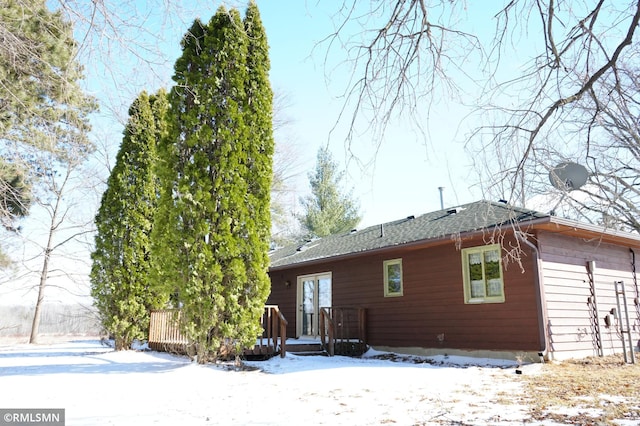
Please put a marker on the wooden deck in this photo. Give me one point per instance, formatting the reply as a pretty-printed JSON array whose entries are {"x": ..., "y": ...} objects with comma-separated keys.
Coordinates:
[
  {"x": 342, "y": 332},
  {"x": 165, "y": 335}
]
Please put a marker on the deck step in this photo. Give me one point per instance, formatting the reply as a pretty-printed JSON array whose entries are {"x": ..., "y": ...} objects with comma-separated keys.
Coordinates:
[
  {"x": 259, "y": 353},
  {"x": 310, "y": 353},
  {"x": 305, "y": 349}
]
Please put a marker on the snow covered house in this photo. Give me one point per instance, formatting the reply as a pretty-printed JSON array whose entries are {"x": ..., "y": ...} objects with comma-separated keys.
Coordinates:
[{"x": 483, "y": 279}]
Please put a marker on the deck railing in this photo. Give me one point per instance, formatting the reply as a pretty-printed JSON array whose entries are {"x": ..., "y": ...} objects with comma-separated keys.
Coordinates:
[
  {"x": 274, "y": 336},
  {"x": 164, "y": 331},
  {"x": 165, "y": 336},
  {"x": 343, "y": 330}
]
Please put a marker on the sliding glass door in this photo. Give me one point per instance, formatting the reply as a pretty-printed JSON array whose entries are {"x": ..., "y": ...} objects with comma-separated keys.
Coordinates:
[{"x": 314, "y": 292}]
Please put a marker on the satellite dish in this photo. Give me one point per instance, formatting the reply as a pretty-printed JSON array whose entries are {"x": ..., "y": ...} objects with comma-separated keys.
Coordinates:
[{"x": 568, "y": 176}]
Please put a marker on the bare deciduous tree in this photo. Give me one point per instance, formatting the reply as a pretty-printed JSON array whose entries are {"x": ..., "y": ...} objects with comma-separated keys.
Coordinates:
[
  {"x": 583, "y": 51},
  {"x": 400, "y": 60},
  {"x": 540, "y": 84},
  {"x": 613, "y": 149},
  {"x": 61, "y": 195},
  {"x": 606, "y": 127},
  {"x": 286, "y": 168}
]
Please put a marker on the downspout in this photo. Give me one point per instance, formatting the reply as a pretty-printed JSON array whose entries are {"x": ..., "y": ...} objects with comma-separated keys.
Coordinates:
[{"x": 540, "y": 299}]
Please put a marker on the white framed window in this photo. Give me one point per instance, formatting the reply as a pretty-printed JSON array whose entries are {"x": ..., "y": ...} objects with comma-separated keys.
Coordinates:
[
  {"x": 392, "y": 277},
  {"x": 482, "y": 274}
]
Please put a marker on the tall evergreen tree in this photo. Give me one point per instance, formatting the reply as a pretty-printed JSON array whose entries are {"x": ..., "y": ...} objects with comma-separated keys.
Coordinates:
[
  {"x": 260, "y": 151},
  {"x": 212, "y": 229},
  {"x": 327, "y": 210},
  {"x": 120, "y": 274}
]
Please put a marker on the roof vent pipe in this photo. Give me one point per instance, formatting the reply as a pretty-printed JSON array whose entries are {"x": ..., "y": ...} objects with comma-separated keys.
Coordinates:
[{"x": 381, "y": 230}]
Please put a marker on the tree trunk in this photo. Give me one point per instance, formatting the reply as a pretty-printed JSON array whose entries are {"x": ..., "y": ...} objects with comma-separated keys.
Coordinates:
[
  {"x": 35, "y": 326},
  {"x": 43, "y": 283}
]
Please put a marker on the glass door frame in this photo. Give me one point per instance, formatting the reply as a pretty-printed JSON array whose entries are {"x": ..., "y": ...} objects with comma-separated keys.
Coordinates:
[{"x": 308, "y": 311}]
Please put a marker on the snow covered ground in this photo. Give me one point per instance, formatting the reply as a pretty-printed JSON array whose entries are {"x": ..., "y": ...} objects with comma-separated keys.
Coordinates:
[{"x": 97, "y": 386}]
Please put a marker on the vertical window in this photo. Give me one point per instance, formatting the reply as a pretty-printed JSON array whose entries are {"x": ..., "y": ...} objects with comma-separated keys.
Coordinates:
[
  {"x": 482, "y": 274},
  {"x": 392, "y": 277}
]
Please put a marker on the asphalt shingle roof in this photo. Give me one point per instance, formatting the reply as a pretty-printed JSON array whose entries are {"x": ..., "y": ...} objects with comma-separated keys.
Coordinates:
[{"x": 456, "y": 220}]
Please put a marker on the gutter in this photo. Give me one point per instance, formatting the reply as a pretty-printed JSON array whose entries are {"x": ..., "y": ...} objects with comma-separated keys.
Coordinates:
[{"x": 540, "y": 299}]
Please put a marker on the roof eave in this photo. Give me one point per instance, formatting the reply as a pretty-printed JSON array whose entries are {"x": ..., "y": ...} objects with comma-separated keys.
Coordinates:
[
  {"x": 413, "y": 244},
  {"x": 590, "y": 231}
]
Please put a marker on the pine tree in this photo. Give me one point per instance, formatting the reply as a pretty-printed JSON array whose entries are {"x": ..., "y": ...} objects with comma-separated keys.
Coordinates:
[
  {"x": 15, "y": 199},
  {"x": 327, "y": 210},
  {"x": 212, "y": 229},
  {"x": 43, "y": 108},
  {"x": 15, "y": 191},
  {"x": 37, "y": 56},
  {"x": 120, "y": 274}
]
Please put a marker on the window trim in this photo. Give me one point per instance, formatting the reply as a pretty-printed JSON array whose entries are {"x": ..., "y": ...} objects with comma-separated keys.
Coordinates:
[
  {"x": 466, "y": 279},
  {"x": 385, "y": 267}
]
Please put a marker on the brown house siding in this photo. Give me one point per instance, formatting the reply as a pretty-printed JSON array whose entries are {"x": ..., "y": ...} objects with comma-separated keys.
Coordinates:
[
  {"x": 283, "y": 294},
  {"x": 432, "y": 303},
  {"x": 566, "y": 277}
]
